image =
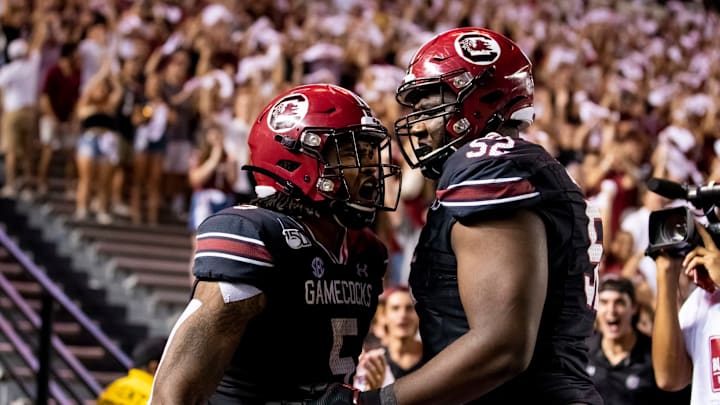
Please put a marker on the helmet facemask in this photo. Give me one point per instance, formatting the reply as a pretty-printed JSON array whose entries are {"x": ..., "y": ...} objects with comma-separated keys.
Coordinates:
[
  {"x": 456, "y": 125},
  {"x": 355, "y": 167}
]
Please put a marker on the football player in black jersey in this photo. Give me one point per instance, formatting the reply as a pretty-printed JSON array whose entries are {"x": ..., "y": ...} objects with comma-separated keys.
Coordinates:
[
  {"x": 286, "y": 287},
  {"x": 505, "y": 271}
]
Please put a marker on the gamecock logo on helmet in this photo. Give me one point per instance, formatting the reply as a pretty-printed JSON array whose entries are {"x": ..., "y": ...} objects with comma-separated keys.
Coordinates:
[
  {"x": 287, "y": 113},
  {"x": 477, "y": 48}
]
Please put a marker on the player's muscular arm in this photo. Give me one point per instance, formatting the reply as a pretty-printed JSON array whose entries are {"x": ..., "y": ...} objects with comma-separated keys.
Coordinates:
[
  {"x": 201, "y": 346},
  {"x": 502, "y": 277}
]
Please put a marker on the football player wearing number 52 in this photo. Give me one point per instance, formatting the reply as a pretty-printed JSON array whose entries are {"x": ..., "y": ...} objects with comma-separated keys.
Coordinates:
[
  {"x": 286, "y": 286},
  {"x": 505, "y": 270}
]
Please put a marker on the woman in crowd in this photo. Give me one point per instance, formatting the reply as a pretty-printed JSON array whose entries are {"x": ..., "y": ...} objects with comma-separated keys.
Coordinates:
[
  {"x": 212, "y": 173},
  {"x": 97, "y": 149},
  {"x": 150, "y": 145}
]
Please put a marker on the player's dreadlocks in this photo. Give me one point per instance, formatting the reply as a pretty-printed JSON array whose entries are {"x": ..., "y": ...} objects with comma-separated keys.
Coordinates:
[{"x": 293, "y": 206}]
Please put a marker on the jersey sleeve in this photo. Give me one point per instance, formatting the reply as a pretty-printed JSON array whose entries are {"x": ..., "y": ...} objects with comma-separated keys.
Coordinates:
[
  {"x": 478, "y": 186},
  {"x": 230, "y": 247}
]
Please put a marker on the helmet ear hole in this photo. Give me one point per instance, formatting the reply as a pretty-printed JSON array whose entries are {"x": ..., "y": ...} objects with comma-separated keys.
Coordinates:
[
  {"x": 492, "y": 97},
  {"x": 288, "y": 165}
]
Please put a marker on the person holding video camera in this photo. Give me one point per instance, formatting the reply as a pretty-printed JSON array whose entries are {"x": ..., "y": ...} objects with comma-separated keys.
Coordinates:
[{"x": 686, "y": 346}]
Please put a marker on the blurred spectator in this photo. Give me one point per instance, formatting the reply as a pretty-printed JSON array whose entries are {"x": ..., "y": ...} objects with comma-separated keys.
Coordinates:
[
  {"x": 49, "y": 33},
  {"x": 60, "y": 93},
  {"x": 149, "y": 152},
  {"x": 97, "y": 150},
  {"x": 15, "y": 22},
  {"x": 261, "y": 62},
  {"x": 619, "y": 259},
  {"x": 212, "y": 174},
  {"x": 94, "y": 49},
  {"x": 179, "y": 131},
  {"x": 126, "y": 118},
  {"x": 236, "y": 135},
  {"x": 217, "y": 22},
  {"x": 675, "y": 158},
  {"x": 401, "y": 351},
  {"x": 217, "y": 88},
  {"x": 19, "y": 82},
  {"x": 620, "y": 362},
  {"x": 612, "y": 178},
  {"x": 135, "y": 388},
  {"x": 377, "y": 333}
]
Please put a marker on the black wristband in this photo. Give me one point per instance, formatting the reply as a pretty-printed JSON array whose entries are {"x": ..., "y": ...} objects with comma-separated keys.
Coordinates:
[
  {"x": 371, "y": 397},
  {"x": 387, "y": 395},
  {"x": 384, "y": 396}
]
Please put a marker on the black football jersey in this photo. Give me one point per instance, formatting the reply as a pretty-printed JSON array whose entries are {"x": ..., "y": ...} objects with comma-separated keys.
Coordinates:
[
  {"x": 319, "y": 304},
  {"x": 488, "y": 178}
]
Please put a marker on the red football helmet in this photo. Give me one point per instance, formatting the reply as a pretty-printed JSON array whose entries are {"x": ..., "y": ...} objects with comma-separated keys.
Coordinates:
[
  {"x": 289, "y": 144},
  {"x": 489, "y": 80}
]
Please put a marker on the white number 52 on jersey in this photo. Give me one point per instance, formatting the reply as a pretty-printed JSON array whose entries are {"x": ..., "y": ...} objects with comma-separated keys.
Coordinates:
[{"x": 499, "y": 146}]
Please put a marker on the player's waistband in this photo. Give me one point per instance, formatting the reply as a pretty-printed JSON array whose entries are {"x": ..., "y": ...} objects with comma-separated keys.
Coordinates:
[{"x": 309, "y": 392}]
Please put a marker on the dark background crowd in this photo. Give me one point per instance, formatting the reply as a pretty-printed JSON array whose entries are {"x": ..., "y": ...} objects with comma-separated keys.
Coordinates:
[{"x": 136, "y": 96}]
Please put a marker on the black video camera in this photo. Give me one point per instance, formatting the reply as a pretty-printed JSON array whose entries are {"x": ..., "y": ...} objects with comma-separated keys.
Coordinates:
[{"x": 673, "y": 230}]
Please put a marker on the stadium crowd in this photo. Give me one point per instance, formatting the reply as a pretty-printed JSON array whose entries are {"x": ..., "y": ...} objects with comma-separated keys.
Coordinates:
[{"x": 149, "y": 102}]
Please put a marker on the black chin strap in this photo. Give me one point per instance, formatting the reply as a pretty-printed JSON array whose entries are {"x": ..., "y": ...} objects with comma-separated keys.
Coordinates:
[
  {"x": 349, "y": 217},
  {"x": 433, "y": 169},
  {"x": 493, "y": 124}
]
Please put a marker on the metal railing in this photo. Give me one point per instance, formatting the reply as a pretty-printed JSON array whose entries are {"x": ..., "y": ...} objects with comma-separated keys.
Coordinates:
[{"x": 48, "y": 343}]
